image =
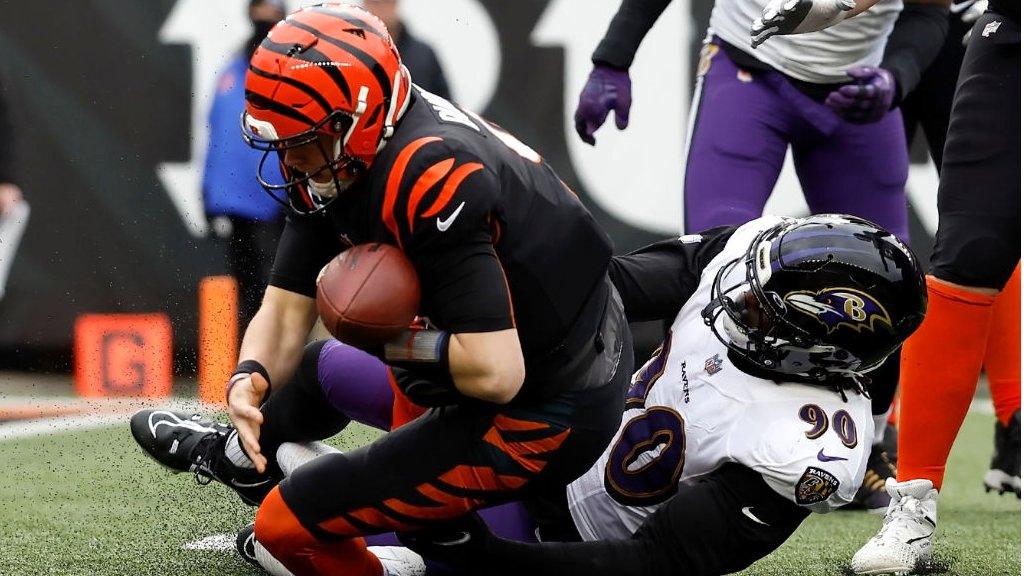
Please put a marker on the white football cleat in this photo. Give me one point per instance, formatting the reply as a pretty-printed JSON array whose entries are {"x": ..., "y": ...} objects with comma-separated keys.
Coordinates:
[
  {"x": 399, "y": 561},
  {"x": 905, "y": 540}
]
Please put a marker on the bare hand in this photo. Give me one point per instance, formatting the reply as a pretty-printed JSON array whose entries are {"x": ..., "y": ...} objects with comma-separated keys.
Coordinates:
[
  {"x": 244, "y": 409},
  {"x": 10, "y": 196}
]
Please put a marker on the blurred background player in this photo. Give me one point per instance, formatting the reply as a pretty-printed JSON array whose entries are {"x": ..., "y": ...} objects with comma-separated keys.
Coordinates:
[
  {"x": 417, "y": 55},
  {"x": 13, "y": 207},
  {"x": 715, "y": 465},
  {"x": 10, "y": 192},
  {"x": 827, "y": 96},
  {"x": 977, "y": 248},
  {"x": 238, "y": 209}
]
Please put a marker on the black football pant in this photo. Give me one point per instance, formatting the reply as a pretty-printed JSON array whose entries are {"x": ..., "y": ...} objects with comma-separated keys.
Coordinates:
[
  {"x": 978, "y": 241},
  {"x": 459, "y": 458}
]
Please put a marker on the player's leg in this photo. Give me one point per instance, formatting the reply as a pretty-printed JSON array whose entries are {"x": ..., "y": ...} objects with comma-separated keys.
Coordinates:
[
  {"x": 507, "y": 520},
  {"x": 977, "y": 248},
  {"x": 448, "y": 462},
  {"x": 435, "y": 468},
  {"x": 735, "y": 146},
  {"x": 857, "y": 169},
  {"x": 1002, "y": 367}
]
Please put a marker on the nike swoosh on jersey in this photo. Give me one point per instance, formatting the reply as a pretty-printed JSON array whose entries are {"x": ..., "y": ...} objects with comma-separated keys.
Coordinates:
[
  {"x": 443, "y": 225},
  {"x": 822, "y": 457},
  {"x": 746, "y": 512}
]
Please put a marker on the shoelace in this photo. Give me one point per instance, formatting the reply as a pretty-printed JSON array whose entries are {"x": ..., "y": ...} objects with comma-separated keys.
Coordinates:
[
  {"x": 206, "y": 450},
  {"x": 907, "y": 508}
]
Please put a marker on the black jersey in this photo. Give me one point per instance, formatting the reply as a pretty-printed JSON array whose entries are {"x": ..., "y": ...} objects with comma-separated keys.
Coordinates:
[
  {"x": 497, "y": 239},
  {"x": 1008, "y": 8}
]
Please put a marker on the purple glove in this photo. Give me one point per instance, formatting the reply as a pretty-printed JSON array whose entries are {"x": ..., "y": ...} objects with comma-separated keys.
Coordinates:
[
  {"x": 867, "y": 98},
  {"x": 607, "y": 89}
]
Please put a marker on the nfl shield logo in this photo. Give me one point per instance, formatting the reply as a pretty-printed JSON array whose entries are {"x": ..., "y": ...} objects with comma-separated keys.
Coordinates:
[{"x": 713, "y": 365}]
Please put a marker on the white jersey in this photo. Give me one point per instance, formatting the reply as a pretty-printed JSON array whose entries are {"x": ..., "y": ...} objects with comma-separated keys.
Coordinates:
[
  {"x": 690, "y": 410},
  {"x": 821, "y": 57}
]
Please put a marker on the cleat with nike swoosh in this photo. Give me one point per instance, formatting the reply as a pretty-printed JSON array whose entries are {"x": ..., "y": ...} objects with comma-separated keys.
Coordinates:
[
  {"x": 905, "y": 540},
  {"x": 184, "y": 442}
]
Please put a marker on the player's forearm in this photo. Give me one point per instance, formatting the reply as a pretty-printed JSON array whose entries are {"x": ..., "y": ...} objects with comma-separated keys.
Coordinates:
[
  {"x": 487, "y": 365},
  {"x": 277, "y": 333},
  {"x": 915, "y": 41},
  {"x": 627, "y": 29}
]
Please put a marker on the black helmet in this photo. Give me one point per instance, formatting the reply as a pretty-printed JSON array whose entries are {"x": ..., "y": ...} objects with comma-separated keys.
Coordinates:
[{"x": 821, "y": 299}]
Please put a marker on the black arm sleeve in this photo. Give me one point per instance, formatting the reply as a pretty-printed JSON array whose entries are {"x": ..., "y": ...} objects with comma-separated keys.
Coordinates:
[
  {"x": 6, "y": 140},
  {"x": 914, "y": 43},
  {"x": 464, "y": 287},
  {"x": 655, "y": 281},
  {"x": 722, "y": 524},
  {"x": 626, "y": 31},
  {"x": 307, "y": 244}
]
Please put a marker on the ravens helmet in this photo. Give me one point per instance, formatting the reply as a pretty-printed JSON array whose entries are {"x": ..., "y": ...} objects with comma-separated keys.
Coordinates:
[{"x": 821, "y": 299}]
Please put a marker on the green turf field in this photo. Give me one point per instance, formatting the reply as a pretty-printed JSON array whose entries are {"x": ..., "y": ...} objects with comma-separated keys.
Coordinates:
[{"x": 89, "y": 503}]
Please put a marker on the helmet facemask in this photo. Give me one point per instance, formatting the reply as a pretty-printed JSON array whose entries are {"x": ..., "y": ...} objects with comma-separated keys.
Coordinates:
[
  {"x": 300, "y": 191},
  {"x": 751, "y": 321}
]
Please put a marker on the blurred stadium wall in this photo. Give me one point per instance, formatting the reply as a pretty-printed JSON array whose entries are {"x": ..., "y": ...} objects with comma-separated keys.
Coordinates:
[{"x": 110, "y": 101}]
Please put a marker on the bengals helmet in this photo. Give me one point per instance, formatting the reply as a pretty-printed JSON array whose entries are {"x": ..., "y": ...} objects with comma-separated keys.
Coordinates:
[
  {"x": 822, "y": 299},
  {"x": 326, "y": 73}
]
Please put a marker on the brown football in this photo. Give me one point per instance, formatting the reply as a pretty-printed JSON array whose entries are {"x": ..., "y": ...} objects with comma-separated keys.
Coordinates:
[{"x": 368, "y": 294}]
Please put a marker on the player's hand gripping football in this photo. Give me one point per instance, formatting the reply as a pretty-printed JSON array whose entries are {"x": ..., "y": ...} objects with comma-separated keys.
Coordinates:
[
  {"x": 244, "y": 401},
  {"x": 867, "y": 98},
  {"x": 606, "y": 89},
  {"x": 797, "y": 17}
]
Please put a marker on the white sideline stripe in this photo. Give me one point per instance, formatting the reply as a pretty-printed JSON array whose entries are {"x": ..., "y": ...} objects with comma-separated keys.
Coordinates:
[
  {"x": 213, "y": 543},
  {"x": 77, "y": 422}
]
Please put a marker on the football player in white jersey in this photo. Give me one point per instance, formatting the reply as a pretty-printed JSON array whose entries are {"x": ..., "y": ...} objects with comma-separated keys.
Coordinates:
[
  {"x": 828, "y": 97},
  {"x": 752, "y": 414}
]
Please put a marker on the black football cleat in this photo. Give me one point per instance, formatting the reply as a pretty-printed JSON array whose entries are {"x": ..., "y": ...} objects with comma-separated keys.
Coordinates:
[
  {"x": 1004, "y": 472},
  {"x": 245, "y": 544},
  {"x": 871, "y": 495},
  {"x": 186, "y": 443}
]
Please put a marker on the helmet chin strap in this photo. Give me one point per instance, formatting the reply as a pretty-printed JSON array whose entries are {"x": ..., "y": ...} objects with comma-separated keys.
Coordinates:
[
  {"x": 394, "y": 115},
  {"x": 332, "y": 187}
]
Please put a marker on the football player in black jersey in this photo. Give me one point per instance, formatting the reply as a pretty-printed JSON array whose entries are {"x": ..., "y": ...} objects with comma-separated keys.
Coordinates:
[{"x": 528, "y": 351}]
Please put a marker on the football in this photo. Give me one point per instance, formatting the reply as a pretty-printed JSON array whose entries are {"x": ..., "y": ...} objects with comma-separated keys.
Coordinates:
[{"x": 368, "y": 294}]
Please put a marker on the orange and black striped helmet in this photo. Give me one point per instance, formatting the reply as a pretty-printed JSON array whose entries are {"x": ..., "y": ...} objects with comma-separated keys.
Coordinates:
[{"x": 325, "y": 70}]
